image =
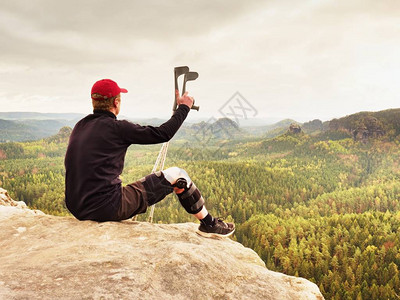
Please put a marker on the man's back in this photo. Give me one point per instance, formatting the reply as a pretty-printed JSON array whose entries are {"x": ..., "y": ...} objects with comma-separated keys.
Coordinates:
[{"x": 93, "y": 163}]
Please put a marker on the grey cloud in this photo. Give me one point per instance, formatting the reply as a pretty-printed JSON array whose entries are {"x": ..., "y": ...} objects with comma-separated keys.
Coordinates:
[
  {"x": 142, "y": 19},
  {"x": 99, "y": 30}
]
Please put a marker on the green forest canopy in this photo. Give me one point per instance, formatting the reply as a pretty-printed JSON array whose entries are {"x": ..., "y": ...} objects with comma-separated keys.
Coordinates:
[{"x": 324, "y": 207}]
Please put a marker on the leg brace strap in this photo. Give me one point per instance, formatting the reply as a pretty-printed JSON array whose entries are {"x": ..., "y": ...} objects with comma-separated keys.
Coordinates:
[{"x": 191, "y": 199}]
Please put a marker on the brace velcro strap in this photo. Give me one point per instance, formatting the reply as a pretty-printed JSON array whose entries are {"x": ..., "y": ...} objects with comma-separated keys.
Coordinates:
[
  {"x": 189, "y": 192},
  {"x": 198, "y": 204},
  {"x": 191, "y": 199},
  {"x": 158, "y": 174}
]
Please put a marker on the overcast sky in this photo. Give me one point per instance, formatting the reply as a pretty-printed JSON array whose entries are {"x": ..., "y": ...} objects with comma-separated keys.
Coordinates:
[{"x": 288, "y": 59}]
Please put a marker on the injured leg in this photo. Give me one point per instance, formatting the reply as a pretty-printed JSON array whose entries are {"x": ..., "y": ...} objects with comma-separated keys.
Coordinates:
[{"x": 190, "y": 198}]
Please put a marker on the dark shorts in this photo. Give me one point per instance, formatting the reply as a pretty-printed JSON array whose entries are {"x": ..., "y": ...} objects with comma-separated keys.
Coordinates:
[{"x": 137, "y": 196}]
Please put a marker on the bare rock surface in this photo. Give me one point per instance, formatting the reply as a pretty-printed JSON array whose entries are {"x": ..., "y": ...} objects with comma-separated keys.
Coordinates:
[{"x": 48, "y": 257}]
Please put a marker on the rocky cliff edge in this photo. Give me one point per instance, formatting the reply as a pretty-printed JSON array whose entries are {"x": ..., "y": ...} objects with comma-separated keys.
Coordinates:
[{"x": 48, "y": 257}]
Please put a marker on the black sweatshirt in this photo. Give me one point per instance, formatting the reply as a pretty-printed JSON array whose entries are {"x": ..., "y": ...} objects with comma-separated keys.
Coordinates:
[{"x": 95, "y": 159}]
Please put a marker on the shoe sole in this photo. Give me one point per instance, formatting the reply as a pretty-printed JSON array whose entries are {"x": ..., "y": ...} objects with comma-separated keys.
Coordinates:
[{"x": 213, "y": 235}]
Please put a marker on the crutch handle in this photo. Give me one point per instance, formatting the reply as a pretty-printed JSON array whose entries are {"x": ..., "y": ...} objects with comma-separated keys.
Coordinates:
[
  {"x": 195, "y": 107},
  {"x": 190, "y": 76}
]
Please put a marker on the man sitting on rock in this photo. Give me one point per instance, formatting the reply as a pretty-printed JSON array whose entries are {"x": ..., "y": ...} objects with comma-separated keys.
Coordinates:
[{"x": 95, "y": 159}]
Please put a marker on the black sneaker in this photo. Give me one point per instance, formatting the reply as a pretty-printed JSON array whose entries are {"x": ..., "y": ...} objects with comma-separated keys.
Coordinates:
[{"x": 220, "y": 228}]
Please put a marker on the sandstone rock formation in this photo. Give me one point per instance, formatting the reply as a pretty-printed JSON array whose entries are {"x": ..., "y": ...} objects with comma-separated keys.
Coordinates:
[
  {"x": 294, "y": 128},
  {"x": 48, "y": 257},
  {"x": 368, "y": 127}
]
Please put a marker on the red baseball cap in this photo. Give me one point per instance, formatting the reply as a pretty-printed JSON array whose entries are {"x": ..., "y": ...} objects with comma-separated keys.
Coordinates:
[{"x": 106, "y": 88}]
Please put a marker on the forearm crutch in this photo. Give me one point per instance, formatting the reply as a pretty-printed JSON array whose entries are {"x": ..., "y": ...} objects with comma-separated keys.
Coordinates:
[{"x": 160, "y": 161}]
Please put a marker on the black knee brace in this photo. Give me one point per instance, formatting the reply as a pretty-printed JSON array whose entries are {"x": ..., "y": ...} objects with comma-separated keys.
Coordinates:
[{"x": 190, "y": 199}]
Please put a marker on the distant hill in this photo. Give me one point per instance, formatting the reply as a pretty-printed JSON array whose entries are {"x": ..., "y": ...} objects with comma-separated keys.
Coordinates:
[
  {"x": 364, "y": 125},
  {"x": 221, "y": 128},
  {"x": 266, "y": 130},
  {"x": 313, "y": 126},
  {"x": 13, "y": 131},
  {"x": 28, "y": 126},
  {"x": 210, "y": 132},
  {"x": 29, "y": 130},
  {"x": 39, "y": 116},
  {"x": 360, "y": 126}
]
